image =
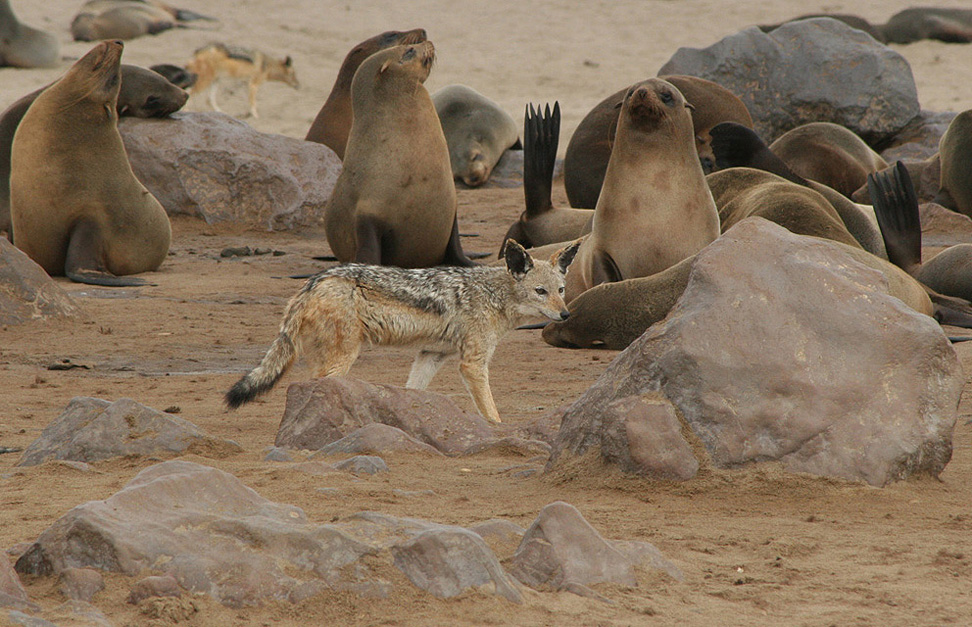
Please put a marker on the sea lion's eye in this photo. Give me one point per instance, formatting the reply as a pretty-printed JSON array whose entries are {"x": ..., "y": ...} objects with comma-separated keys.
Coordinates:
[
  {"x": 666, "y": 97},
  {"x": 409, "y": 54}
]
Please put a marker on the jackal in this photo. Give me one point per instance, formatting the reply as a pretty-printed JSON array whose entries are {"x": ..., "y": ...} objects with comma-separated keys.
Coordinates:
[
  {"x": 212, "y": 62},
  {"x": 443, "y": 310}
]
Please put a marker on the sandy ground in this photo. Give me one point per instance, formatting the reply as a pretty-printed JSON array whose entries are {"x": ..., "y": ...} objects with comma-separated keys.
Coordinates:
[{"x": 758, "y": 547}]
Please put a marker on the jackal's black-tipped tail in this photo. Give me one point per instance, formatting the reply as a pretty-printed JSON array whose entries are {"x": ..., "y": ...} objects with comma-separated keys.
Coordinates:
[
  {"x": 896, "y": 208},
  {"x": 541, "y": 136},
  {"x": 259, "y": 380},
  {"x": 738, "y": 146}
]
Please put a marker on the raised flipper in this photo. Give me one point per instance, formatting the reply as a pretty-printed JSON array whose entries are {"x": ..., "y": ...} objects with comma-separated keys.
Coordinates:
[
  {"x": 84, "y": 261},
  {"x": 896, "y": 208},
  {"x": 737, "y": 146},
  {"x": 541, "y": 136},
  {"x": 453, "y": 253}
]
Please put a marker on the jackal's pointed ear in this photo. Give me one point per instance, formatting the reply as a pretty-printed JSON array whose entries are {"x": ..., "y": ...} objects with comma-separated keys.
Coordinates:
[
  {"x": 288, "y": 61},
  {"x": 565, "y": 256},
  {"x": 518, "y": 260}
]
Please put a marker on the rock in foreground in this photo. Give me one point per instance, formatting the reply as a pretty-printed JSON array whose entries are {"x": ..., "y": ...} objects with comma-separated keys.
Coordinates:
[{"x": 27, "y": 292}]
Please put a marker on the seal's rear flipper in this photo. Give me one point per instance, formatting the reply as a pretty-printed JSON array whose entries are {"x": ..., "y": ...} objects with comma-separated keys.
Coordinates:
[
  {"x": 541, "y": 136},
  {"x": 896, "y": 208},
  {"x": 956, "y": 312},
  {"x": 737, "y": 146},
  {"x": 83, "y": 262}
]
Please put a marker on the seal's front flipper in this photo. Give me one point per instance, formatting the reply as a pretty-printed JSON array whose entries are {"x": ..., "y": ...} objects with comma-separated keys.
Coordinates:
[
  {"x": 453, "y": 252},
  {"x": 604, "y": 269},
  {"x": 952, "y": 311},
  {"x": 896, "y": 208},
  {"x": 737, "y": 146},
  {"x": 367, "y": 241},
  {"x": 84, "y": 262}
]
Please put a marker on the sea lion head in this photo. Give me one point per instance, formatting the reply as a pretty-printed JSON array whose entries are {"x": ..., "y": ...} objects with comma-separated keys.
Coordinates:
[
  {"x": 368, "y": 47},
  {"x": 412, "y": 63},
  {"x": 148, "y": 94},
  {"x": 477, "y": 170},
  {"x": 94, "y": 79},
  {"x": 653, "y": 104}
]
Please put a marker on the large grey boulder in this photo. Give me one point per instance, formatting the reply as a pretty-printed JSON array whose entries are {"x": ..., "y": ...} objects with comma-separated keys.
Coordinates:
[
  {"x": 562, "y": 551},
  {"x": 27, "y": 292},
  {"x": 323, "y": 411},
  {"x": 815, "y": 70},
  {"x": 92, "y": 429},
  {"x": 213, "y": 535},
  {"x": 784, "y": 348},
  {"x": 215, "y": 167}
]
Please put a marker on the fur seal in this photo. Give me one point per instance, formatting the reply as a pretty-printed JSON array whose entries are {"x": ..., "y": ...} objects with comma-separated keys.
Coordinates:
[
  {"x": 735, "y": 145},
  {"x": 541, "y": 223},
  {"x": 394, "y": 202},
  {"x": 332, "y": 125},
  {"x": 907, "y": 26},
  {"x": 955, "y": 155},
  {"x": 854, "y": 21},
  {"x": 23, "y": 46},
  {"x": 830, "y": 154},
  {"x": 77, "y": 208},
  {"x": 143, "y": 94},
  {"x": 128, "y": 19},
  {"x": 477, "y": 131},
  {"x": 655, "y": 208},
  {"x": 590, "y": 146}
]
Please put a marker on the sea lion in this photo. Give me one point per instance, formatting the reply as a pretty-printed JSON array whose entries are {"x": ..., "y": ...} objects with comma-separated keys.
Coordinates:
[
  {"x": 143, "y": 94},
  {"x": 590, "y": 146},
  {"x": 477, "y": 131},
  {"x": 915, "y": 24},
  {"x": 178, "y": 76},
  {"x": 394, "y": 202},
  {"x": 830, "y": 154},
  {"x": 955, "y": 155},
  {"x": 23, "y": 46},
  {"x": 854, "y": 21},
  {"x": 77, "y": 209},
  {"x": 128, "y": 19},
  {"x": 735, "y": 145},
  {"x": 541, "y": 223},
  {"x": 655, "y": 208},
  {"x": 332, "y": 125}
]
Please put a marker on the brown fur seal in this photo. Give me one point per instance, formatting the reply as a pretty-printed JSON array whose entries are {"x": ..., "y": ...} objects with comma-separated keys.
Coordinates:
[
  {"x": 77, "y": 208},
  {"x": 907, "y": 26},
  {"x": 477, "y": 130},
  {"x": 542, "y": 223},
  {"x": 829, "y": 154},
  {"x": 590, "y": 146},
  {"x": 655, "y": 208},
  {"x": 143, "y": 94},
  {"x": 332, "y": 125},
  {"x": 854, "y": 21},
  {"x": 394, "y": 202},
  {"x": 735, "y": 145},
  {"x": 955, "y": 155},
  {"x": 127, "y": 19},
  {"x": 23, "y": 46}
]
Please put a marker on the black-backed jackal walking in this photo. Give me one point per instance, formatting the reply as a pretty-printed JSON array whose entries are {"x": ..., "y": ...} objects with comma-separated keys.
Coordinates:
[
  {"x": 215, "y": 61},
  {"x": 442, "y": 310}
]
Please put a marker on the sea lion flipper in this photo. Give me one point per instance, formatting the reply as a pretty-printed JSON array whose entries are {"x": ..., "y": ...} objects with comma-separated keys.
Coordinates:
[
  {"x": 453, "y": 252},
  {"x": 604, "y": 269},
  {"x": 541, "y": 136},
  {"x": 735, "y": 145},
  {"x": 368, "y": 240},
  {"x": 950, "y": 310},
  {"x": 83, "y": 259},
  {"x": 896, "y": 208}
]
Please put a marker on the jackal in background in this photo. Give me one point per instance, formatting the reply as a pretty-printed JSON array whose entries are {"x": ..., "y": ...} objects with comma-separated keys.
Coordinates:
[
  {"x": 442, "y": 310},
  {"x": 215, "y": 61}
]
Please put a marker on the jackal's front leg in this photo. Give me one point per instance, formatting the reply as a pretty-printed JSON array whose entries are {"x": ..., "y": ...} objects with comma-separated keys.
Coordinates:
[{"x": 475, "y": 374}]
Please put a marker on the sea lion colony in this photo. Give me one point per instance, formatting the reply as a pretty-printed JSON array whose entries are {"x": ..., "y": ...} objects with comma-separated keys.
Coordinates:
[{"x": 640, "y": 237}]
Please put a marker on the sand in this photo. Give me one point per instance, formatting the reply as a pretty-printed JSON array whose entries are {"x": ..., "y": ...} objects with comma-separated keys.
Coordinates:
[{"x": 758, "y": 546}]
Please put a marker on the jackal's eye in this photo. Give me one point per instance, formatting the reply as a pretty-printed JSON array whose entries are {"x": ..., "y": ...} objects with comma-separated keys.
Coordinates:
[
  {"x": 541, "y": 291},
  {"x": 562, "y": 289}
]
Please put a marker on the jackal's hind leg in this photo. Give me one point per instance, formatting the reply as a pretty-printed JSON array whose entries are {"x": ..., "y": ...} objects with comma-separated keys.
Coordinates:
[
  {"x": 330, "y": 342},
  {"x": 475, "y": 374},
  {"x": 426, "y": 364}
]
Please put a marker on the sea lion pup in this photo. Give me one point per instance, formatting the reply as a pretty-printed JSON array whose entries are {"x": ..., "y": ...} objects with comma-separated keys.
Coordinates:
[
  {"x": 477, "y": 131},
  {"x": 143, "y": 94},
  {"x": 590, "y": 146},
  {"x": 948, "y": 275},
  {"x": 830, "y": 154},
  {"x": 77, "y": 209},
  {"x": 128, "y": 19},
  {"x": 955, "y": 155},
  {"x": 541, "y": 223},
  {"x": 394, "y": 202},
  {"x": 655, "y": 207},
  {"x": 23, "y": 46},
  {"x": 332, "y": 125},
  {"x": 735, "y": 145}
]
